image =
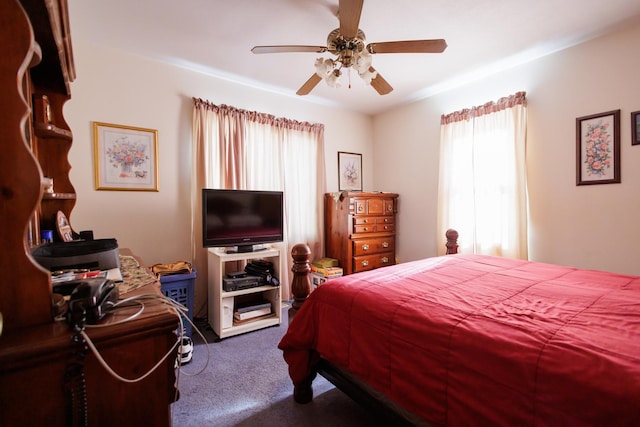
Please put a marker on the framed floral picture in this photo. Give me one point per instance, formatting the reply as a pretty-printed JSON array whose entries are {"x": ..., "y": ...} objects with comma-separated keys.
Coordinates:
[
  {"x": 635, "y": 128},
  {"x": 125, "y": 157},
  {"x": 598, "y": 148},
  {"x": 349, "y": 171}
]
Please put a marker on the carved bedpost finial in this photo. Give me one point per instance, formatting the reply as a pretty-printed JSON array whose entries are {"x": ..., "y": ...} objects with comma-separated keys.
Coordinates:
[
  {"x": 300, "y": 284},
  {"x": 452, "y": 241}
]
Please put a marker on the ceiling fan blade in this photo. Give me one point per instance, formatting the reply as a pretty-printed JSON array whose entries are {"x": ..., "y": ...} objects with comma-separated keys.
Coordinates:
[
  {"x": 408, "y": 46},
  {"x": 380, "y": 84},
  {"x": 349, "y": 12},
  {"x": 309, "y": 85},
  {"x": 288, "y": 48}
]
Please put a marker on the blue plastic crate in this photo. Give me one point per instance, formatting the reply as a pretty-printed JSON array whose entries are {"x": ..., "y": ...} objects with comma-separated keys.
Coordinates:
[{"x": 180, "y": 288}]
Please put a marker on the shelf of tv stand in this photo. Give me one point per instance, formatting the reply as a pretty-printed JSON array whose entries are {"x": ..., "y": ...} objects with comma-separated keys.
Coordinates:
[
  {"x": 221, "y": 303},
  {"x": 247, "y": 291}
]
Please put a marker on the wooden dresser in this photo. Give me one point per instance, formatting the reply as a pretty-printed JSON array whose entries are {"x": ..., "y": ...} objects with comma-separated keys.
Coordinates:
[
  {"x": 41, "y": 367},
  {"x": 360, "y": 229}
]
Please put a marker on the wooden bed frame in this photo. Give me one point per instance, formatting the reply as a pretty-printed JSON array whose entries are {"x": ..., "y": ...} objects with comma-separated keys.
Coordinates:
[{"x": 303, "y": 393}]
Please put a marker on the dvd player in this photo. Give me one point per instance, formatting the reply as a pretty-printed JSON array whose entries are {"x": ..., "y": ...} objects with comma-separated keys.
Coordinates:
[{"x": 238, "y": 283}]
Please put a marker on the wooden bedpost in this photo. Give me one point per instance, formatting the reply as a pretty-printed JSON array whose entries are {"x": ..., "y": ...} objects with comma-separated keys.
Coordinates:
[
  {"x": 300, "y": 284},
  {"x": 452, "y": 241}
]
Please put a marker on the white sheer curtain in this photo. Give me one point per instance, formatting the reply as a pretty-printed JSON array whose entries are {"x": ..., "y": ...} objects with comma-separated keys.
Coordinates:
[
  {"x": 482, "y": 189},
  {"x": 239, "y": 149}
]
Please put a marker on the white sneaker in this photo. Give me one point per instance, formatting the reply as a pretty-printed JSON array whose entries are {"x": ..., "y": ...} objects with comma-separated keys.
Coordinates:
[{"x": 185, "y": 351}]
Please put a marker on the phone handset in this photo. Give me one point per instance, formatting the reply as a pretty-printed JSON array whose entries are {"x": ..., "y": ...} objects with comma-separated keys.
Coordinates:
[{"x": 90, "y": 301}]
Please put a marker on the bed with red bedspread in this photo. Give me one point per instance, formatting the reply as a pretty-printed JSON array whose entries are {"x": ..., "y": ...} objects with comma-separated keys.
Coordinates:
[{"x": 478, "y": 340}]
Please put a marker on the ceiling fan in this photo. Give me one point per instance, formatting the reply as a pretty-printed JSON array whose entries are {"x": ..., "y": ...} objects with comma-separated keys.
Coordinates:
[{"x": 347, "y": 44}]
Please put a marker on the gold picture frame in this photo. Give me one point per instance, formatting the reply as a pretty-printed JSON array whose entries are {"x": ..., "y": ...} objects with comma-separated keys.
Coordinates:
[{"x": 125, "y": 157}]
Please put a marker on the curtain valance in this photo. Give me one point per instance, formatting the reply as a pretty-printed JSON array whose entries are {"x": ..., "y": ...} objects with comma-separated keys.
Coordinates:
[
  {"x": 518, "y": 98},
  {"x": 262, "y": 118}
]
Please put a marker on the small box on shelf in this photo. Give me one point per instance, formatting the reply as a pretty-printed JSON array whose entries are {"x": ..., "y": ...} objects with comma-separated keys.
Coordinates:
[
  {"x": 326, "y": 262},
  {"x": 318, "y": 279},
  {"x": 327, "y": 271}
]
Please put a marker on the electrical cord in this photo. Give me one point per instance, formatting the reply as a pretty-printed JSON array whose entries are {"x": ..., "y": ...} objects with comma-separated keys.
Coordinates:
[
  {"x": 74, "y": 379},
  {"x": 180, "y": 311},
  {"x": 133, "y": 316}
]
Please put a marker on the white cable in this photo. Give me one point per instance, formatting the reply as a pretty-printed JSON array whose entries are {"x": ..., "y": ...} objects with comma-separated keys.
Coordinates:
[
  {"x": 180, "y": 311},
  {"x": 133, "y": 316},
  {"x": 193, "y": 374},
  {"x": 113, "y": 373}
]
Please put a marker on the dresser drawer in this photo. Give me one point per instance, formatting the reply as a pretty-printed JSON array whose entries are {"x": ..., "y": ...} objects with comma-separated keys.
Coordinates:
[
  {"x": 370, "y": 262},
  {"x": 372, "y": 224},
  {"x": 364, "y": 224},
  {"x": 373, "y": 246}
]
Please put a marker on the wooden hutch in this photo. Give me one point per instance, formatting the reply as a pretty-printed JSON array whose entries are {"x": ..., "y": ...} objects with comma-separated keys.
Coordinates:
[{"x": 38, "y": 353}]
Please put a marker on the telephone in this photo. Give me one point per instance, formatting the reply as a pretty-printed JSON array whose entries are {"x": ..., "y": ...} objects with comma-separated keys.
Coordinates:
[{"x": 90, "y": 300}]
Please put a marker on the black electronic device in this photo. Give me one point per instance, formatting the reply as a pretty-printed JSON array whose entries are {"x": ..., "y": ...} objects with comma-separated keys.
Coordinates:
[
  {"x": 264, "y": 270},
  {"x": 90, "y": 300},
  {"x": 100, "y": 254},
  {"x": 237, "y": 274},
  {"x": 239, "y": 283},
  {"x": 241, "y": 218}
]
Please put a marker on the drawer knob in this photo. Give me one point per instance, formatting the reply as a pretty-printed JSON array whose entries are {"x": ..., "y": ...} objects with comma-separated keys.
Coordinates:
[
  {"x": 365, "y": 263},
  {"x": 360, "y": 208},
  {"x": 366, "y": 229},
  {"x": 366, "y": 221},
  {"x": 385, "y": 260},
  {"x": 365, "y": 247},
  {"x": 385, "y": 244}
]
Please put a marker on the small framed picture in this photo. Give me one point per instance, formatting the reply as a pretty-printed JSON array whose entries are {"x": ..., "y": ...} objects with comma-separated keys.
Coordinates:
[
  {"x": 635, "y": 128},
  {"x": 598, "y": 148},
  {"x": 349, "y": 171},
  {"x": 125, "y": 157}
]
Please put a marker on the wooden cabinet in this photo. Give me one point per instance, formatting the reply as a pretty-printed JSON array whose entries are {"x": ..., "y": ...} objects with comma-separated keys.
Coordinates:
[
  {"x": 222, "y": 303},
  {"x": 36, "y": 352},
  {"x": 360, "y": 229}
]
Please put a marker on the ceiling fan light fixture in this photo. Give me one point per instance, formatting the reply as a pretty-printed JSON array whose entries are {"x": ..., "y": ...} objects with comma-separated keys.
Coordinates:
[
  {"x": 330, "y": 71},
  {"x": 368, "y": 75},
  {"x": 362, "y": 62},
  {"x": 324, "y": 67},
  {"x": 333, "y": 79}
]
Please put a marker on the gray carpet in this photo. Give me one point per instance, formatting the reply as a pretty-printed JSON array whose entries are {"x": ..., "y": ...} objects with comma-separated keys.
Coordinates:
[{"x": 246, "y": 384}]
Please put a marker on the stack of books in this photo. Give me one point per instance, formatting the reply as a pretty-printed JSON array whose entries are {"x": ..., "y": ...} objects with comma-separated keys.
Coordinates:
[
  {"x": 251, "y": 311},
  {"x": 324, "y": 269}
]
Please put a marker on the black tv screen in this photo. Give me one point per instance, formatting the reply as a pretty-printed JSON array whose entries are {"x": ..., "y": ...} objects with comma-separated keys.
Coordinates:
[{"x": 241, "y": 218}]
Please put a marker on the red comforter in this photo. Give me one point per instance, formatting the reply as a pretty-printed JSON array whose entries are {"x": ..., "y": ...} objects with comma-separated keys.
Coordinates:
[{"x": 478, "y": 340}]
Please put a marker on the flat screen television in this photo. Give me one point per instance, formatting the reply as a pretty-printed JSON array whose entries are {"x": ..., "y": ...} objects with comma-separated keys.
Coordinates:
[{"x": 241, "y": 218}]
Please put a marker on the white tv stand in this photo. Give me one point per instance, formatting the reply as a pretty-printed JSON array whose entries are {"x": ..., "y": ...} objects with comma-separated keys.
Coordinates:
[{"x": 221, "y": 303}]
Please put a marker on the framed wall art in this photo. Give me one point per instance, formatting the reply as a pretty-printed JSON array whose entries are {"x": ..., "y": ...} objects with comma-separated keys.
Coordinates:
[
  {"x": 125, "y": 157},
  {"x": 635, "y": 128},
  {"x": 598, "y": 148},
  {"x": 349, "y": 171}
]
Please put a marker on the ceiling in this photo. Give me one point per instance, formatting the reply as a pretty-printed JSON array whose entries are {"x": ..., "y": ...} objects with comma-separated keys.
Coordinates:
[{"x": 216, "y": 37}]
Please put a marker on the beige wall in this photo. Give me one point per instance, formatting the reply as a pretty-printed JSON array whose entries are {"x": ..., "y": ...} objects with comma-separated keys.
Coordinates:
[
  {"x": 114, "y": 87},
  {"x": 584, "y": 226}
]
